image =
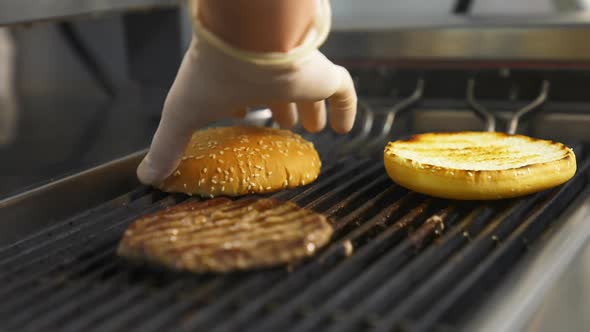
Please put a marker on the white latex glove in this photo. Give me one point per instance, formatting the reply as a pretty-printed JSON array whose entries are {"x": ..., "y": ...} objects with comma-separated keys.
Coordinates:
[{"x": 213, "y": 85}]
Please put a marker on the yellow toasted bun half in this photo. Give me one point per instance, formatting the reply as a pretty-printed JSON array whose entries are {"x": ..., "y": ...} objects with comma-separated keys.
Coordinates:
[
  {"x": 233, "y": 161},
  {"x": 478, "y": 165}
]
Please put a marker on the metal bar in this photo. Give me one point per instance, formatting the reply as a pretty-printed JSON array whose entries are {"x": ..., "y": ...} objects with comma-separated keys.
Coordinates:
[
  {"x": 392, "y": 113},
  {"x": 421, "y": 267},
  {"x": 205, "y": 318},
  {"x": 323, "y": 261},
  {"x": 133, "y": 208},
  {"x": 417, "y": 268},
  {"x": 346, "y": 273},
  {"x": 518, "y": 300},
  {"x": 344, "y": 188},
  {"x": 490, "y": 120},
  {"x": 347, "y": 173},
  {"x": 33, "y": 291},
  {"x": 430, "y": 291},
  {"x": 215, "y": 311},
  {"x": 383, "y": 286},
  {"x": 526, "y": 110},
  {"x": 394, "y": 193},
  {"x": 379, "y": 184},
  {"x": 462, "y": 6},
  {"x": 37, "y": 208},
  {"x": 27, "y": 11},
  {"x": 513, "y": 246},
  {"x": 126, "y": 314},
  {"x": 37, "y": 314},
  {"x": 325, "y": 175},
  {"x": 58, "y": 247},
  {"x": 62, "y": 312},
  {"x": 57, "y": 228},
  {"x": 551, "y": 38},
  {"x": 366, "y": 124},
  {"x": 77, "y": 45},
  {"x": 299, "y": 277}
]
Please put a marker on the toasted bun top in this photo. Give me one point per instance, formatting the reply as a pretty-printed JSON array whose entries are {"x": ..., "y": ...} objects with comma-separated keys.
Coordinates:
[
  {"x": 478, "y": 165},
  {"x": 240, "y": 160},
  {"x": 478, "y": 150}
]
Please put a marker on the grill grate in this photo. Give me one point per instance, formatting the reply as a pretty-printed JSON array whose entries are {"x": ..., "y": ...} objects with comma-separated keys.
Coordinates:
[{"x": 418, "y": 263}]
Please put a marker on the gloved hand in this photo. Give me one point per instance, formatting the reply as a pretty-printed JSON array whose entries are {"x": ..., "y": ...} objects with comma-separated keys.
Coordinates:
[{"x": 212, "y": 84}]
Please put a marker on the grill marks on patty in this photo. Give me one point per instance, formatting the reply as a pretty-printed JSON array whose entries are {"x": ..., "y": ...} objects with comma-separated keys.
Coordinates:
[{"x": 222, "y": 235}]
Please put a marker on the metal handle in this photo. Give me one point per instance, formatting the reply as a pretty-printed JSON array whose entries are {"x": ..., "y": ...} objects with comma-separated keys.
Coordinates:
[
  {"x": 540, "y": 100},
  {"x": 403, "y": 105},
  {"x": 483, "y": 113}
]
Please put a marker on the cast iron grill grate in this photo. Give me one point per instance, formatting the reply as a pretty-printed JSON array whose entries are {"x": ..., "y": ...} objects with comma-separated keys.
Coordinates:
[{"x": 419, "y": 263}]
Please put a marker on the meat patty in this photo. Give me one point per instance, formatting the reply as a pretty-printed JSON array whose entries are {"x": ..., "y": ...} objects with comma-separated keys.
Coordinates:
[{"x": 221, "y": 235}]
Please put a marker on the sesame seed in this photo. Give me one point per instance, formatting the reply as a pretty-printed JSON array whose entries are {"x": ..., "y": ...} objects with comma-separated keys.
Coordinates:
[
  {"x": 269, "y": 173},
  {"x": 213, "y": 181},
  {"x": 221, "y": 152},
  {"x": 222, "y": 188},
  {"x": 220, "y": 161},
  {"x": 218, "y": 170},
  {"x": 177, "y": 173},
  {"x": 205, "y": 170},
  {"x": 184, "y": 184},
  {"x": 268, "y": 188},
  {"x": 231, "y": 179},
  {"x": 200, "y": 157},
  {"x": 258, "y": 167}
]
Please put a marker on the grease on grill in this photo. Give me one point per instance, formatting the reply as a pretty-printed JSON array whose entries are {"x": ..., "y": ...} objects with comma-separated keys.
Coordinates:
[
  {"x": 221, "y": 235},
  {"x": 433, "y": 226},
  {"x": 348, "y": 248}
]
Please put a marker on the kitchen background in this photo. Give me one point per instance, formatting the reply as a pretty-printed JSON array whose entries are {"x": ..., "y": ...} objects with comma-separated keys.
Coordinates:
[{"x": 60, "y": 114}]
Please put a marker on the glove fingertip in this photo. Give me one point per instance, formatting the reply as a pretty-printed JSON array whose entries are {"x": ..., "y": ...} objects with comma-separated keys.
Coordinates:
[{"x": 148, "y": 174}]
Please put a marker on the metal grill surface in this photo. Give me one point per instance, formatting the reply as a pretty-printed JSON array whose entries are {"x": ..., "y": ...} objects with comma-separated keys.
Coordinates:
[{"x": 418, "y": 263}]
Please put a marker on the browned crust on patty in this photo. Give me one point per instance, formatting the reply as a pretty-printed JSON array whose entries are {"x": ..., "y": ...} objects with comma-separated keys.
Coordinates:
[{"x": 222, "y": 235}]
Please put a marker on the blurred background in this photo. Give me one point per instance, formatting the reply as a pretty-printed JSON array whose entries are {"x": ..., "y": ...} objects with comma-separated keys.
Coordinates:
[{"x": 83, "y": 82}]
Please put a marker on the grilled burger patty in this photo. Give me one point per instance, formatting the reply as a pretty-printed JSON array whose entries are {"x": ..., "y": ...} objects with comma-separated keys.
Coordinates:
[
  {"x": 478, "y": 165},
  {"x": 221, "y": 235}
]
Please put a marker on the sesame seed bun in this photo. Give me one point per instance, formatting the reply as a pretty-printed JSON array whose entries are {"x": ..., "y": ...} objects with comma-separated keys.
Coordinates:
[
  {"x": 233, "y": 161},
  {"x": 478, "y": 165}
]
